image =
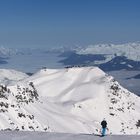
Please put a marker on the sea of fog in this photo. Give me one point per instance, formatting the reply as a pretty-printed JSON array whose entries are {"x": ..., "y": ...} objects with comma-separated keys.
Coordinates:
[{"x": 30, "y": 63}]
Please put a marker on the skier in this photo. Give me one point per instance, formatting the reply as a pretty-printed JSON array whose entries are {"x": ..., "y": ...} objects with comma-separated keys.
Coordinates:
[{"x": 104, "y": 127}]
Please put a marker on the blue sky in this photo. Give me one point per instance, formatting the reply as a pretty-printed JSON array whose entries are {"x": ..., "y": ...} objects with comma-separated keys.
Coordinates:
[{"x": 54, "y": 23}]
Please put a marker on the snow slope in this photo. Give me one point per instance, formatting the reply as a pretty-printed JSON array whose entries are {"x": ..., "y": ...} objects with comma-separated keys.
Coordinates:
[
  {"x": 71, "y": 100},
  {"x": 8, "y": 76}
]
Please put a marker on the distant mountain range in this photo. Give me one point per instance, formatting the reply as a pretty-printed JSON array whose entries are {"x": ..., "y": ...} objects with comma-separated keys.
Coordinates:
[
  {"x": 108, "y": 57},
  {"x": 128, "y": 50},
  {"x": 6, "y": 52}
]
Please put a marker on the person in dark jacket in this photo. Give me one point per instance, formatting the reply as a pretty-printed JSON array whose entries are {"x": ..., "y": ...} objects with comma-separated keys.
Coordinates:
[{"x": 104, "y": 126}]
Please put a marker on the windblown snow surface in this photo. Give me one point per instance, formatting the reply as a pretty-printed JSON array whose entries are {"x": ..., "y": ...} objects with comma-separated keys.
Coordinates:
[{"x": 70, "y": 100}]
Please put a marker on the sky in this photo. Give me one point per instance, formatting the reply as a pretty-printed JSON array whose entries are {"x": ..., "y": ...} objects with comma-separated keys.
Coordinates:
[{"x": 55, "y": 23}]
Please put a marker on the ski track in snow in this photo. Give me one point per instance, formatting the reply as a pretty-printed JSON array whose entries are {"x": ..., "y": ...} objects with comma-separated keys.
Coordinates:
[{"x": 60, "y": 136}]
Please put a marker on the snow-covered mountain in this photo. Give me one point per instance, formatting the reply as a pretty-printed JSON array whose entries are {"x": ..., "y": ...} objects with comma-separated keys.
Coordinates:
[
  {"x": 129, "y": 50},
  {"x": 6, "y": 52},
  {"x": 108, "y": 57},
  {"x": 70, "y": 100},
  {"x": 11, "y": 76}
]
